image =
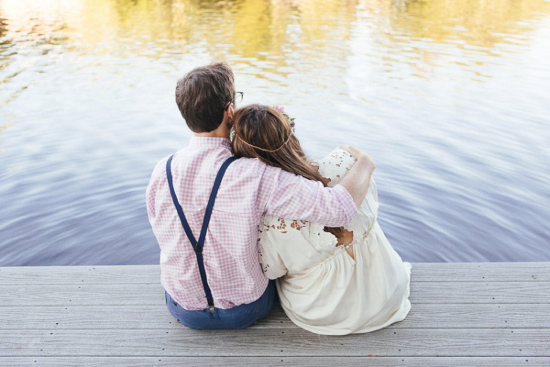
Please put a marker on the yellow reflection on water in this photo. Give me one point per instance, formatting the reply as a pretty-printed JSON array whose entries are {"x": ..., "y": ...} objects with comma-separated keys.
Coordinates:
[
  {"x": 242, "y": 29},
  {"x": 482, "y": 23}
]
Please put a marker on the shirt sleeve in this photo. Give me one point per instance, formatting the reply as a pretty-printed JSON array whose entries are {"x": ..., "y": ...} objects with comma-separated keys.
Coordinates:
[
  {"x": 335, "y": 166},
  {"x": 291, "y": 196},
  {"x": 158, "y": 177}
]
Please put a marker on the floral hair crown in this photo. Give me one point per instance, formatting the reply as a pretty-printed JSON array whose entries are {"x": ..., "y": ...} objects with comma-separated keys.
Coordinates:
[
  {"x": 290, "y": 120},
  {"x": 291, "y": 123}
]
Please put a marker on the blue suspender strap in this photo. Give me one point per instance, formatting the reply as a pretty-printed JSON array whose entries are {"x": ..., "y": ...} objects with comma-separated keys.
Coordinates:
[
  {"x": 198, "y": 245},
  {"x": 177, "y": 204},
  {"x": 213, "y": 194}
]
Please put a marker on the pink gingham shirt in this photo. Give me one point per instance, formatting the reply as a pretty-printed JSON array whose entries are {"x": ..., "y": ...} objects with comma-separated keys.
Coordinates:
[{"x": 248, "y": 190}]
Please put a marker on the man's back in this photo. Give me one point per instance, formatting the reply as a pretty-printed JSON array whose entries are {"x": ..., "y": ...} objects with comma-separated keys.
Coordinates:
[{"x": 249, "y": 190}]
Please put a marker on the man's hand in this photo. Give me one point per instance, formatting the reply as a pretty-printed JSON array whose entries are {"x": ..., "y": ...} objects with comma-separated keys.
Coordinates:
[
  {"x": 357, "y": 180},
  {"x": 359, "y": 155}
]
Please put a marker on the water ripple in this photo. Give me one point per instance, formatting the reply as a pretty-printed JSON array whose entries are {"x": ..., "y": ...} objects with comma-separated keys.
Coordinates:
[{"x": 449, "y": 98}]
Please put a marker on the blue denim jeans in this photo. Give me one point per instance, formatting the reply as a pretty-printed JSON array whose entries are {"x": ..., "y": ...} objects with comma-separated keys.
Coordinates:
[{"x": 238, "y": 317}]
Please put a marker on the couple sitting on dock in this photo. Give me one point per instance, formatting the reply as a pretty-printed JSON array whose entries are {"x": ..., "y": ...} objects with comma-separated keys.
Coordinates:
[{"x": 262, "y": 210}]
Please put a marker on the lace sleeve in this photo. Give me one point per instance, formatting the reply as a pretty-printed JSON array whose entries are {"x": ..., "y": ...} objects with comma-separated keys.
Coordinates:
[
  {"x": 268, "y": 255},
  {"x": 335, "y": 165},
  {"x": 290, "y": 246}
]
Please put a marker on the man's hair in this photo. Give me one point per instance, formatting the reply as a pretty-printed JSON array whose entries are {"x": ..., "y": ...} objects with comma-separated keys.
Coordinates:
[{"x": 203, "y": 94}]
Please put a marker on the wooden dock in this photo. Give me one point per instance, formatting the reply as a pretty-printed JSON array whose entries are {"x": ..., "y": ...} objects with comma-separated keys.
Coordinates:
[{"x": 471, "y": 314}]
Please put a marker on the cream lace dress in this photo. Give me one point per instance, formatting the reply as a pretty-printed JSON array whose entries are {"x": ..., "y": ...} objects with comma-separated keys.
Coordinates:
[{"x": 324, "y": 289}]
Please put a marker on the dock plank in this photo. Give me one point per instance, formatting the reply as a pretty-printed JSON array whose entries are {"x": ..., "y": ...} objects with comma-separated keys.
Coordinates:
[
  {"x": 276, "y": 361},
  {"x": 138, "y": 274},
  {"x": 428, "y": 316},
  {"x": 274, "y": 342},
  {"x": 153, "y": 293}
]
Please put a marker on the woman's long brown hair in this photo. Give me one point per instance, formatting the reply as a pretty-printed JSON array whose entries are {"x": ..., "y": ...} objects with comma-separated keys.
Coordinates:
[{"x": 275, "y": 144}]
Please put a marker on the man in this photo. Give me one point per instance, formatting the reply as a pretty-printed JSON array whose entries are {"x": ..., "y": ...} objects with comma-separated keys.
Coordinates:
[{"x": 218, "y": 283}]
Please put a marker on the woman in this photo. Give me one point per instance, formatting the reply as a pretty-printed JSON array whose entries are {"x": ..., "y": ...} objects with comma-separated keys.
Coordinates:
[{"x": 331, "y": 281}]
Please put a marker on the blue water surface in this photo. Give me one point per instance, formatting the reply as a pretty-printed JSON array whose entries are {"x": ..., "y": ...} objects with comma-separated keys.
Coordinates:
[{"x": 453, "y": 107}]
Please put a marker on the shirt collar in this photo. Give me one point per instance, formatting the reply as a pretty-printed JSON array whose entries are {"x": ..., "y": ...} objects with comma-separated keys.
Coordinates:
[{"x": 209, "y": 142}]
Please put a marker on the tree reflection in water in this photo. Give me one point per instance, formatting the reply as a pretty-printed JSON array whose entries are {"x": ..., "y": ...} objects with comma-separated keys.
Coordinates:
[{"x": 270, "y": 30}]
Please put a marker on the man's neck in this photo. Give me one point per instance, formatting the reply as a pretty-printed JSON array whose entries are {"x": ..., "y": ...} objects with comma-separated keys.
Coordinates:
[
  {"x": 212, "y": 134},
  {"x": 221, "y": 132}
]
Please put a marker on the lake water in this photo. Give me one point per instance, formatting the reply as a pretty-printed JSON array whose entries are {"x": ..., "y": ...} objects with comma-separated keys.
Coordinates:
[{"x": 451, "y": 99}]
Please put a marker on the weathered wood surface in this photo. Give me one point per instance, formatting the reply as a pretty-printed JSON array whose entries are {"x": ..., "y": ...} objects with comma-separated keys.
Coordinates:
[
  {"x": 277, "y": 361},
  {"x": 475, "y": 314},
  {"x": 427, "y": 316},
  {"x": 139, "y": 274},
  {"x": 150, "y": 293},
  {"x": 277, "y": 342}
]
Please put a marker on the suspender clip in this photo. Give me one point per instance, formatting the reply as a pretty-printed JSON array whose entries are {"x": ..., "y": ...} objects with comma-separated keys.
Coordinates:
[
  {"x": 211, "y": 305},
  {"x": 198, "y": 249}
]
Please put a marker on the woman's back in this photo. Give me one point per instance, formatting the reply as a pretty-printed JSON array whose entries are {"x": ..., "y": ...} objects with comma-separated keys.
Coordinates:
[{"x": 326, "y": 289}]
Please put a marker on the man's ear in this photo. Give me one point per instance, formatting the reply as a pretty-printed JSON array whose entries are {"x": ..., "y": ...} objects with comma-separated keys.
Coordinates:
[{"x": 231, "y": 112}]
